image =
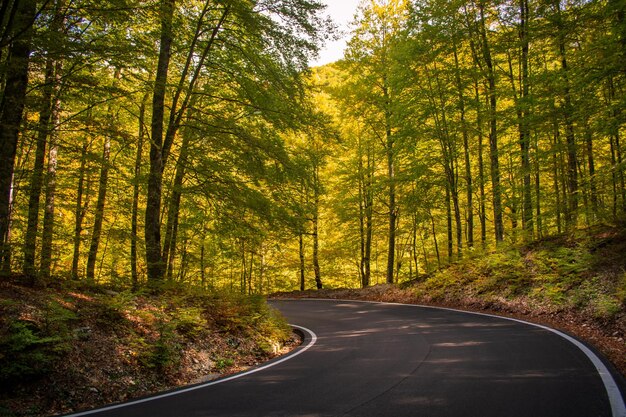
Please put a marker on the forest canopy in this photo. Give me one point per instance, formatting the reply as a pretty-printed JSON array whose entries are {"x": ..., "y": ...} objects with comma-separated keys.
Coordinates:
[{"x": 146, "y": 142}]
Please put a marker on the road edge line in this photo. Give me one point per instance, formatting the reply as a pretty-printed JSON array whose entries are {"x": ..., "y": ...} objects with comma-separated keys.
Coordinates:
[
  {"x": 298, "y": 351},
  {"x": 618, "y": 408}
]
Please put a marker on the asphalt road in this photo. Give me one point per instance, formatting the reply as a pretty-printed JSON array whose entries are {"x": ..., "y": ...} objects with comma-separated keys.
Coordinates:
[{"x": 366, "y": 359}]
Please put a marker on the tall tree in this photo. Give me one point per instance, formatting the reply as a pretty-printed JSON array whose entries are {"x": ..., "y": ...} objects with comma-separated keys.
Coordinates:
[
  {"x": 154, "y": 259},
  {"x": 19, "y": 36}
]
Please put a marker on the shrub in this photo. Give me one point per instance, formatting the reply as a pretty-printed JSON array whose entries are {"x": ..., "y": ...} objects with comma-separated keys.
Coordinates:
[{"x": 25, "y": 352}]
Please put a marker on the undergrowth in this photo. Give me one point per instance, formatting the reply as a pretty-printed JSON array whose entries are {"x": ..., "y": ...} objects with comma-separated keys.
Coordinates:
[
  {"x": 39, "y": 328},
  {"x": 584, "y": 271}
]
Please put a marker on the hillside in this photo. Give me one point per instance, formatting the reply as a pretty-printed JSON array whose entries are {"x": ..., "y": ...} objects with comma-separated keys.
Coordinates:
[
  {"x": 573, "y": 282},
  {"x": 65, "y": 349}
]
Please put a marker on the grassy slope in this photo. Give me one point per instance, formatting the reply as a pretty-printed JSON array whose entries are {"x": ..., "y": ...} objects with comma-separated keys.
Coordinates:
[
  {"x": 66, "y": 349},
  {"x": 574, "y": 282}
]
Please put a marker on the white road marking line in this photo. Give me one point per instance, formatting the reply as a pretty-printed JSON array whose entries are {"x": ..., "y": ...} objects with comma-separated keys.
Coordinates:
[
  {"x": 615, "y": 396},
  {"x": 299, "y": 351}
]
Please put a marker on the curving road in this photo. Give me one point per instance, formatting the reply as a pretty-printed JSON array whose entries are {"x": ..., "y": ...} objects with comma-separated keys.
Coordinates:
[{"x": 368, "y": 359}]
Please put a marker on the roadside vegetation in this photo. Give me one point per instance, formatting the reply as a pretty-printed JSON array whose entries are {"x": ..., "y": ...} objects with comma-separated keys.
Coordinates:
[{"x": 72, "y": 347}]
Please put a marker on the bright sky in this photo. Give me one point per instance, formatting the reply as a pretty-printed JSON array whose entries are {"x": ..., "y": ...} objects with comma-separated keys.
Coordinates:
[{"x": 342, "y": 12}]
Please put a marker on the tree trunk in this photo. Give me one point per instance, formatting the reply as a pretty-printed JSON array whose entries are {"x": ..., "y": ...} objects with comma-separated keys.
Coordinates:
[
  {"x": 615, "y": 133},
  {"x": 48, "y": 219},
  {"x": 135, "y": 203},
  {"x": 466, "y": 152},
  {"x": 173, "y": 211},
  {"x": 154, "y": 259},
  {"x": 301, "y": 253},
  {"x": 538, "y": 214},
  {"x": 481, "y": 172},
  {"x": 36, "y": 180},
  {"x": 202, "y": 266},
  {"x": 493, "y": 131},
  {"x": 555, "y": 173},
  {"x": 432, "y": 222},
  {"x": 524, "y": 131},
  {"x": 449, "y": 239},
  {"x": 361, "y": 179},
  {"x": 568, "y": 115},
  {"x": 102, "y": 190},
  {"x": 11, "y": 110},
  {"x": 79, "y": 209},
  {"x": 591, "y": 166},
  {"x": 316, "y": 262},
  {"x": 391, "y": 176}
]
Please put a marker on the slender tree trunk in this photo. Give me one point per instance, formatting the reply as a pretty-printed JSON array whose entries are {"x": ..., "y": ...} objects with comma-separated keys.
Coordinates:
[
  {"x": 481, "y": 172},
  {"x": 102, "y": 190},
  {"x": 361, "y": 179},
  {"x": 48, "y": 219},
  {"x": 615, "y": 133},
  {"x": 99, "y": 214},
  {"x": 426, "y": 263},
  {"x": 250, "y": 272},
  {"x": 434, "y": 232},
  {"x": 135, "y": 203},
  {"x": 613, "y": 176},
  {"x": 591, "y": 166},
  {"x": 391, "y": 176},
  {"x": 369, "y": 211},
  {"x": 538, "y": 214},
  {"x": 154, "y": 260},
  {"x": 43, "y": 130},
  {"x": 466, "y": 152},
  {"x": 6, "y": 261},
  {"x": 202, "y": 266},
  {"x": 170, "y": 255},
  {"x": 301, "y": 253},
  {"x": 11, "y": 111},
  {"x": 316, "y": 262},
  {"x": 414, "y": 244},
  {"x": 79, "y": 209},
  {"x": 568, "y": 114},
  {"x": 493, "y": 131},
  {"x": 449, "y": 239},
  {"x": 173, "y": 212},
  {"x": 244, "y": 269},
  {"x": 555, "y": 173},
  {"x": 524, "y": 131}
]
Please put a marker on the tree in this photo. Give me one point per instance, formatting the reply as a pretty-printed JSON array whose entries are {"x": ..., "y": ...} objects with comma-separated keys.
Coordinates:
[
  {"x": 15, "y": 77},
  {"x": 369, "y": 51}
]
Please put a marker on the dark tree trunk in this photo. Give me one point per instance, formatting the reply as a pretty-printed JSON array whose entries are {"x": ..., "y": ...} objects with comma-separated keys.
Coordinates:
[
  {"x": 316, "y": 202},
  {"x": 99, "y": 214},
  {"x": 79, "y": 209},
  {"x": 154, "y": 260},
  {"x": 102, "y": 190},
  {"x": 481, "y": 172},
  {"x": 301, "y": 253},
  {"x": 524, "y": 131},
  {"x": 36, "y": 180},
  {"x": 391, "y": 176},
  {"x": 466, "y": 152},
  {"x": 11, "y": 110},
  {"x": 449, "y": 240},
  {"x": 493, "y": 131},
  {"x": 48, "y": 219},
  {"x": 135, "y": 203},
  {"x": 568, "y": 115}
]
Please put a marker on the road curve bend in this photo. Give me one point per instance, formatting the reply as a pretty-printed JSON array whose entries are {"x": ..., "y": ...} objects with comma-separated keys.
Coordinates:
[{"x": 376, "y": 359}]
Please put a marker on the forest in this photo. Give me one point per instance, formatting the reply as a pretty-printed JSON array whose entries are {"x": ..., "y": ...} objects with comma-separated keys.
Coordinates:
[{"x": 155, "y": 142}]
